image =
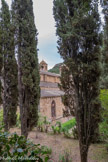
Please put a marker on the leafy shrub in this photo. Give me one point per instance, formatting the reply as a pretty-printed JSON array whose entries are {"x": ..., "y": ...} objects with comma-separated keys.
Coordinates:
[
  {"x": 57, "y": 128},
  {"x": 40, "y": 126},
  {"x": 54, "y": 129},
  {"x": 69, "y": 124},
  {"x": 69, "y": 129},
  {"x": 103, "y": 128},
  {"x": 46, "y": 124},
  {"x": 18, "y": 148},
  {"x": 43, "y": 124},
  {"x": 66, "y": 133}
]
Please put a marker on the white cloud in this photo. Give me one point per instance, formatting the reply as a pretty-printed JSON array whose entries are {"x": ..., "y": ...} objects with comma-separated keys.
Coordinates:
[
  {"x": 43, "y": 18},
  {"x": 43, "y": 11}
]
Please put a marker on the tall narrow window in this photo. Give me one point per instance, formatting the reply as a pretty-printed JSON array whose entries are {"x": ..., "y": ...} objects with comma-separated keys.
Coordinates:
[{"x": 53, "y": 109}]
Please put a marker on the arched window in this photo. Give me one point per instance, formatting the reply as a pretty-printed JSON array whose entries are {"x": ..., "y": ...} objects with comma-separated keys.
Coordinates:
[{"x": 53, "y": 109}]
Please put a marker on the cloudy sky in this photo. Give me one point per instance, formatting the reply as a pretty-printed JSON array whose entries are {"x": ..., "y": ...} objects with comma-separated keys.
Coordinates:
[{"x": 46, "y": 28}]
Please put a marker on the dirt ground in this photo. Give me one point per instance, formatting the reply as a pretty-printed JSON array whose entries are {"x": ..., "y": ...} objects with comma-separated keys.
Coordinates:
[{"x": 61, "y": 145}]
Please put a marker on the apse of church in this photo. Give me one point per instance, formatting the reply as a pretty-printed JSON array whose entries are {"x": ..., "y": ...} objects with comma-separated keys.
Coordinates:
[{"x": 51, "y": 104}]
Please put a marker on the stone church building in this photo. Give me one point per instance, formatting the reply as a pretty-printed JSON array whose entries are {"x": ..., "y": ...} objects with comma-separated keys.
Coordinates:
[{"x": 51, "y": 104}]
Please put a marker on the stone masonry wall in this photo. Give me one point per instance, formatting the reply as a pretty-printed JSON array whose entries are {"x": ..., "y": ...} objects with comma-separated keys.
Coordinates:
[
  {"x": 45, "y": 107},
  {"x": 47, "y": 78}
]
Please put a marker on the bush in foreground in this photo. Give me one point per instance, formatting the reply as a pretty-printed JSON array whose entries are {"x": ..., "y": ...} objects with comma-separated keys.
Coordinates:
[{"x": 17, "y": 148}]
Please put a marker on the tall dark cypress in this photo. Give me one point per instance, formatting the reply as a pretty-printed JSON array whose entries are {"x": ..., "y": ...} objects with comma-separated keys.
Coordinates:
[
  {"x": 28, "y": 70},
  {"x": 78, "y": 27},
  {"x": 104, "y": 82},
  {"x": 1, "y": 62},
  {"x": 9, "y": 68},
  {"x": 67, "y": 85}
]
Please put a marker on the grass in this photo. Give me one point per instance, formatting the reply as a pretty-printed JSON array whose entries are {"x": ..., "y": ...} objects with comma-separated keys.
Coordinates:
[{"x": 99, "y": 153}]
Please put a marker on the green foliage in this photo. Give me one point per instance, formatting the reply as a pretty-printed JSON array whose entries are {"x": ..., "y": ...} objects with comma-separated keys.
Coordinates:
[
  {"x": 0, "y": 91},
  {"x": 68, "y": 128},
  {"x": 18, "y": 148},
  {"x": 79, "y": 42},
  {"x": 67, "y": 133},
  {"x": 1, "y": 117},
  {"x": 29, "y": 78},
  {"x": 104, "y": 79},
  {"x": 1, "y": 60},
  {"x": 43, "y": 124},
  {"x": 55, "y": 69},
  {"x": 40, "y": 126},
  {"x": 9, "y": 74},
  {"x": 54, "y": 129},
  {"x": 57, "y": 128},
  {"x": 104, "y": 124},
  {"x": 75, "y": 132},
  {"x": 65, "y": 157},
  {"x": 69, "y": 124},
  {"x": 70, "y": 133},
  {"x": 18, "y": 122},
  {"x": 104, "y": 99},
  {"x": 46, "y": 124},
  {"x": 59, "y": 125},
  {"x": 67, "y": 85}
]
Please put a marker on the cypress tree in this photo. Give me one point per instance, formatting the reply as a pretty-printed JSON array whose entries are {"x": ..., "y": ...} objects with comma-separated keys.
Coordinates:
[
  {"x": 104, "y": 82},
  {"x": 28, "y": 70},
  {"x": 79, "y": 41},
  {"x": 67, "y": 85},
  {"x": 9, "y": 68},
  {"x": 1, "y": 61}
]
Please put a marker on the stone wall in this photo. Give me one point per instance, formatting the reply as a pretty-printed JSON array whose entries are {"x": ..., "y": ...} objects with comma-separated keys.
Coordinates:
[
  {"x": 45, "y": 107},
  {"x": 48, "y": 78}
]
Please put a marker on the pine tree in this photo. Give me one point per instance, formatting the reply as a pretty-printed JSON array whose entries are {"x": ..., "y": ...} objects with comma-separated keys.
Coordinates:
[
  {"x": 104, "y": 83},
  {"x": 79, "y": 41},
  {"x": 26, "y": 40},
  {"x": 9, "y": 68}
]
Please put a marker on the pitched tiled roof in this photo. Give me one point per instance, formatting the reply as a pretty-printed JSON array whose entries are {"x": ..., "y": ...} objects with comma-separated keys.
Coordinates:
[
  {"x": 50, "y": 93},
  {"x": 49, "y": 73},
  {"x": 48, "y": 85}
]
